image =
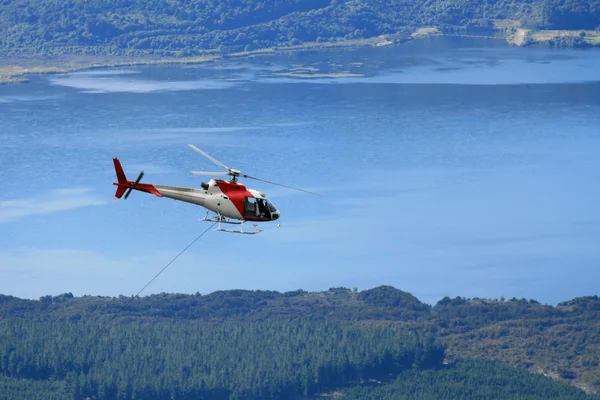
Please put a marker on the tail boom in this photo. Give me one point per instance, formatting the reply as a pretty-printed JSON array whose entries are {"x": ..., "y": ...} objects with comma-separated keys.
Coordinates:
[{"x": 142, "y": 187}]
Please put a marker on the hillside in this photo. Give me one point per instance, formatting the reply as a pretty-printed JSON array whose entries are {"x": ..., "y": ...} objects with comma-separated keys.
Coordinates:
[
  {"x": 468, "y": 379},
  {"x": 562, "y": 342},
  {"x": 266, "y": 344},
  {"x": 186, "y": 28}
]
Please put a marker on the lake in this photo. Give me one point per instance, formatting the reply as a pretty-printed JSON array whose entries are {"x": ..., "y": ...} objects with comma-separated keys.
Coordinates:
[{"x": 449, "y": 167}]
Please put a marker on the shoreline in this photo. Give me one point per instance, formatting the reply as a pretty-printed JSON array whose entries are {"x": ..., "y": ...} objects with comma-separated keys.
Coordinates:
[{"x": 17, "y": 69}]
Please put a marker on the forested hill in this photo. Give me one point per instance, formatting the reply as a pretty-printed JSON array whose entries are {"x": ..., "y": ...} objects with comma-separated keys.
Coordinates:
[
  {"x": 271, "y": 345},
  {"x": 383, "y": 303},
  {"x": 191, "y": 27}
]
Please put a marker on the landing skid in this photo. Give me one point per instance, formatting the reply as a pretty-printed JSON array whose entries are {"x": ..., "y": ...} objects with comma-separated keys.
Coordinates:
[
  {"x": 254, "y": 232},
  {"x": 224, "y": 220},
  {"x": 221, "y": 219}
]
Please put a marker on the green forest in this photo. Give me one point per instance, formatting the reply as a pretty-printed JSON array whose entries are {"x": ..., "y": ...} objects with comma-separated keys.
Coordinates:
[
  {"x": 186, "y": 28},
  {"x": 467, "y": 379},
  {"x": 380, "y": 343}
]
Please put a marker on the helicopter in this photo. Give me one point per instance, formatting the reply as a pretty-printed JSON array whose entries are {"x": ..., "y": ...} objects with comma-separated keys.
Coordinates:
[{"x": 231, "y": 201}]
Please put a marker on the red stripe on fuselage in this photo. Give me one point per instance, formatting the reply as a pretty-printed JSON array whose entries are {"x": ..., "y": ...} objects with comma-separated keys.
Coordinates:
[{"x": 236, "y": 193}]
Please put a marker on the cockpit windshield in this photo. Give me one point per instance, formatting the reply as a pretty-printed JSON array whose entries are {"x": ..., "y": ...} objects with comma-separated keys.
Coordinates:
[
  {"x": 259, "y": 208},
  {"x": 271, "y": 206},
  {"x": 265, "y": 206}
]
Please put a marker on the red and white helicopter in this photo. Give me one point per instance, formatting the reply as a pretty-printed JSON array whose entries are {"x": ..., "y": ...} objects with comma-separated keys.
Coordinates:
[{"x": 229, "y": 200}]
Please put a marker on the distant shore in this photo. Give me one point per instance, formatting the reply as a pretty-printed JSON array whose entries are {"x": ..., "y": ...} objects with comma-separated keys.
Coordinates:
[{"x": 16, "y": 70}]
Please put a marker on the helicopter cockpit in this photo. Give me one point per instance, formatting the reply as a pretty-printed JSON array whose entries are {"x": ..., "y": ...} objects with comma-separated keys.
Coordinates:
[{"x": 261, "y": 209}]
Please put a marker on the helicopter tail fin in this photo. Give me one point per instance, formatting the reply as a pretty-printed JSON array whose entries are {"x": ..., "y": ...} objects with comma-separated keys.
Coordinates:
[{"x": 123, "y": 184}]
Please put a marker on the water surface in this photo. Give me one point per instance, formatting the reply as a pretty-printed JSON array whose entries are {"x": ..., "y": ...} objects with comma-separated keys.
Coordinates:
[{"x": 450, "y": 167}]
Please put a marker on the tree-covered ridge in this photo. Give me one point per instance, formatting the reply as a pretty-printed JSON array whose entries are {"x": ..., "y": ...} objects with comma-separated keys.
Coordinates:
[
  {"x": 566, "y": 348},
  {"x": 562, "y": 341},
  {"x": 462, "y": 315},
  {"x": 180, "y": 28},
  {"x": 384, "y": 302}
]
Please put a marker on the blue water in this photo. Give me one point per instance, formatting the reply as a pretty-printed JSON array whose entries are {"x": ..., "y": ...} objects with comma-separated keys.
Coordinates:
[{"x": 449, "y": 168}]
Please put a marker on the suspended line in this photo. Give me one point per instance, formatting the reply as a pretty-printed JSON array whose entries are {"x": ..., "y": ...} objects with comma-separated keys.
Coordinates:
[{"x": 122, "y": 308}]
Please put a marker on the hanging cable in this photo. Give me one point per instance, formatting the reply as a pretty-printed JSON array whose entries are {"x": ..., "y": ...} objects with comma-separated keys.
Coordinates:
[{"x": 89, "y": 342}]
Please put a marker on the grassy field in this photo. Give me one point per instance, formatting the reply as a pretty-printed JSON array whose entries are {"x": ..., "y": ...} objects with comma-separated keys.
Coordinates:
[
  {"x": 591, "y": 37},
  {"x": 422, "y": 32},
  {"x": 506, "y": 23},
  {"x": 524, "y": 37},
  {"x": 594, "y": 39},
  {"x": 15, "y": 70}
]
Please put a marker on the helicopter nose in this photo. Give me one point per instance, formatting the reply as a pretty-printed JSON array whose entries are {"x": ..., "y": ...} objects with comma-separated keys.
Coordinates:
[{"x": 275, "y": 215}]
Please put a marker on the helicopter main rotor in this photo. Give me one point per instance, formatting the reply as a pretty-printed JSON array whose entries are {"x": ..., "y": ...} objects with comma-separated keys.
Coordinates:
[{"x": 234, "y": 173}]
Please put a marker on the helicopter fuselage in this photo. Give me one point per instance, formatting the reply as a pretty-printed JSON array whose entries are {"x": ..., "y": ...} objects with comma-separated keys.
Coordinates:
[
  {"x": 226, "y": 198},
  {"x": 232, "y": 200}
]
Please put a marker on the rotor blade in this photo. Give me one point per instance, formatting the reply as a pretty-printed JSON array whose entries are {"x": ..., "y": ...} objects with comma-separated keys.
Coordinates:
[
  {"x": 210, "y": 173},
  {"x": 139, "y": 178},
  {"x": 279, "y": 184},
  {"x": 219, "y": 163}
]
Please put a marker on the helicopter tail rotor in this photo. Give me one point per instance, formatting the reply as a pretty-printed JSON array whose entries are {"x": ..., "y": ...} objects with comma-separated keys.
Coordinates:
[
  {"x": 134, "y": 185},
  {"x": 123, "y": 185}
]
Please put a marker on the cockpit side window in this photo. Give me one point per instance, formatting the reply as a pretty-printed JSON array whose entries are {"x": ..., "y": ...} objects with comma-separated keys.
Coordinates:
[
  {"x": 249, "y": 205},
  {"x": 257, "y": 208},
  {"x": 262, "y": 205}
]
